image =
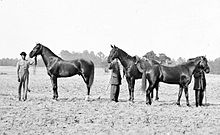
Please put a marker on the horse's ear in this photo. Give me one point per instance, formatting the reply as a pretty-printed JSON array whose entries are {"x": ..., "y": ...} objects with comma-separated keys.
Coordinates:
[
  {"x": 115, "y": 47},
  {"x": 112, "y": 46}
]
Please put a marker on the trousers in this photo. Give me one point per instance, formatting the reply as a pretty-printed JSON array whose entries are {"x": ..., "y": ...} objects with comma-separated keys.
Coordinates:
[
  {"x": 114, "y": 92},
  {"x": 199, "y": 97}
]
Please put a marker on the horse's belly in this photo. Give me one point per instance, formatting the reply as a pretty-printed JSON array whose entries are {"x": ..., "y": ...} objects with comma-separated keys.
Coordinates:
[
  {"x": 67, "y": 71},
  {"x": 171, "y": 80},
  {"x": 66, "y": 74}
]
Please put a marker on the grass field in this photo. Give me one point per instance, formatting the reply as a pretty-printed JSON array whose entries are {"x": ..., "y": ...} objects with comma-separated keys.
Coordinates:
[{"x": 71, "y": 114}]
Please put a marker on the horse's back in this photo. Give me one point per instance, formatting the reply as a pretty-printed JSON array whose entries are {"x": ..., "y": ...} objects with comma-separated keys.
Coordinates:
[{"x": 82, "y": 62}]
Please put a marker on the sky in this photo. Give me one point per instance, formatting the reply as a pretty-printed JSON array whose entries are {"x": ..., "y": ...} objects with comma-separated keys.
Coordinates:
[{"x": 178, "y": 28}]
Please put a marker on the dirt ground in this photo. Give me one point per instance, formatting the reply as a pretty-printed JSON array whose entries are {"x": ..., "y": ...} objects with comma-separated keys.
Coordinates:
[{"x": 71, "y": 114}]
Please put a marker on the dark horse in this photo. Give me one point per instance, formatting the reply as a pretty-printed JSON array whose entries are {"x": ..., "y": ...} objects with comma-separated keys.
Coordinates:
[
  {"x": 129, "y": 67},
  {"x": 57, "y": 67},
  {"x": 180, "y": 74}
]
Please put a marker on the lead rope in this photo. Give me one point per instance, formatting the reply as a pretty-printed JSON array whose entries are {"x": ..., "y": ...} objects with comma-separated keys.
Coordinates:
[{"x": 35, "y": 65}]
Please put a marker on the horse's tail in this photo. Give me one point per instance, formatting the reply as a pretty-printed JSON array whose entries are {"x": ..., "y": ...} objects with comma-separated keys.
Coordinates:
[
  {"x": 143, "y": 86},
  {"x": 91, "y": 77}
]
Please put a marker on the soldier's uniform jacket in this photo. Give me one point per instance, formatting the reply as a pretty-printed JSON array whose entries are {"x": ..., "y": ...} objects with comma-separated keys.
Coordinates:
[
  {"x": 116, "y": 76},
  {"x": 199, "y": 81}
]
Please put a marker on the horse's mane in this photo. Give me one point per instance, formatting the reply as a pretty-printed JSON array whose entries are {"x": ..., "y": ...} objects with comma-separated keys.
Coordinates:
[
  {"x": 35, "y": 58},
  {"x": 192, "y": 60},
  {"x": 51, "y": 51},
  {"x": 126, "y": 54},
  {"x": 198, "y": 57}
]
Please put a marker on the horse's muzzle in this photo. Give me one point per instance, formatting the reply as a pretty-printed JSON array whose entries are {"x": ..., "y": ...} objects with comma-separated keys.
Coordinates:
[
  {"x": 207, "y": 70},
  {"x": 109, "y": 60},
  {"x": 31, "y": 54}
]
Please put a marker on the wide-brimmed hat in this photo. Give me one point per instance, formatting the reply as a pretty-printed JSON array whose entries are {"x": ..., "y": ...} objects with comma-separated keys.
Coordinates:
[{"x": 23, "y": 53}]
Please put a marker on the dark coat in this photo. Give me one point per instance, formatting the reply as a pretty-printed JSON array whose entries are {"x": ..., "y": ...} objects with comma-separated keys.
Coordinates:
[
  {"x": 199, "y": 81},
  {"x": 116, "y": 76}
]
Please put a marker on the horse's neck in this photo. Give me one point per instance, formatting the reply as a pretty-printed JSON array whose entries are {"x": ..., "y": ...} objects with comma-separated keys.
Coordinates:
[
  {"x": 47, "y": 54},
  {"x": 125, "y": 59},
  {"x": 192, "y": 66}
]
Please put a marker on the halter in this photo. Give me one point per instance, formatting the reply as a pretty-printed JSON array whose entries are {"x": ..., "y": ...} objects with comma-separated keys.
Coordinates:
[{"x": 41, "y": 46}]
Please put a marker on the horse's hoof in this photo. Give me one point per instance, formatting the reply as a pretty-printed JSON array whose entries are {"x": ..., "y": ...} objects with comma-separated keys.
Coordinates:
[
  {"x": 148, "y": 103},
  {"x": 99, "y": 97},
  {"x": 132, "y": 101},
  {"x": 157, "y": 99},
  {"x": 178, "y": 103},
  {"x": 87, "y": 98},
  {"x": 55, "y": 98},
  {"x": 188, "y": 105}
]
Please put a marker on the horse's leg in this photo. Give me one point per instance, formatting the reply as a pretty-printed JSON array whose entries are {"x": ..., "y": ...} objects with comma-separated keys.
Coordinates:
[
  {"x": 88, "y": 86},
  {"x": 149, "y": 91},
  {"x": 88, "y": 94},
  {"x": 179, "y": 95},
  {"x": 152, "y": 94},
  {"x": 157, "y": 88},
  {"x": 153, "y": 83},
  {"x": 132, "y": 89},
  {"x": 54, "y": 84},
  {"x": 86, "y": 79},
  {"x": 187, "y": 95},
  {"x": 129, "y": 87}
]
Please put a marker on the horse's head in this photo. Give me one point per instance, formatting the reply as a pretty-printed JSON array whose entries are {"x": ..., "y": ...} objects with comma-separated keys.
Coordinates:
[
  {"x": 202, "y": 63},
  {"x": 36, "y": 50},
  {"x": 113, "y": 54}
]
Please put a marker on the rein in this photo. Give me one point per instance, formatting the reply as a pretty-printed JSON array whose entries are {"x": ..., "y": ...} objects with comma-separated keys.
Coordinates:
[{"x": 35, "y": 61}]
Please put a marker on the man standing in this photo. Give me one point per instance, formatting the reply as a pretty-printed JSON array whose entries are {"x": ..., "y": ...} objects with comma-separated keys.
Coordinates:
[
  {"x": 115, "y": 80},
  {"x": 23, "y": 75},
  {"x": 199, "y": 86}
]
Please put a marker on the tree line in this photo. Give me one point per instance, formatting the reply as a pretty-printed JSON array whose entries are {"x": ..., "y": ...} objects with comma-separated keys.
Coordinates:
[{"x": 100, "y": 60}]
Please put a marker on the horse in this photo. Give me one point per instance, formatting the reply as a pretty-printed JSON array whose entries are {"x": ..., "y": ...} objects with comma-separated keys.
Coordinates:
[
  {"x": 57, "y": 68},
  {"x": 130, "y": 68},
  {"x": 180, "y": 74}
]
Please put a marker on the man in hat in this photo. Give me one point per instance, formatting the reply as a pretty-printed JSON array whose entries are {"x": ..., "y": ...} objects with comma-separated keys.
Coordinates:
[
  {"x": 23, "y": 75},
  {"x": 115, "y": 80}
]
